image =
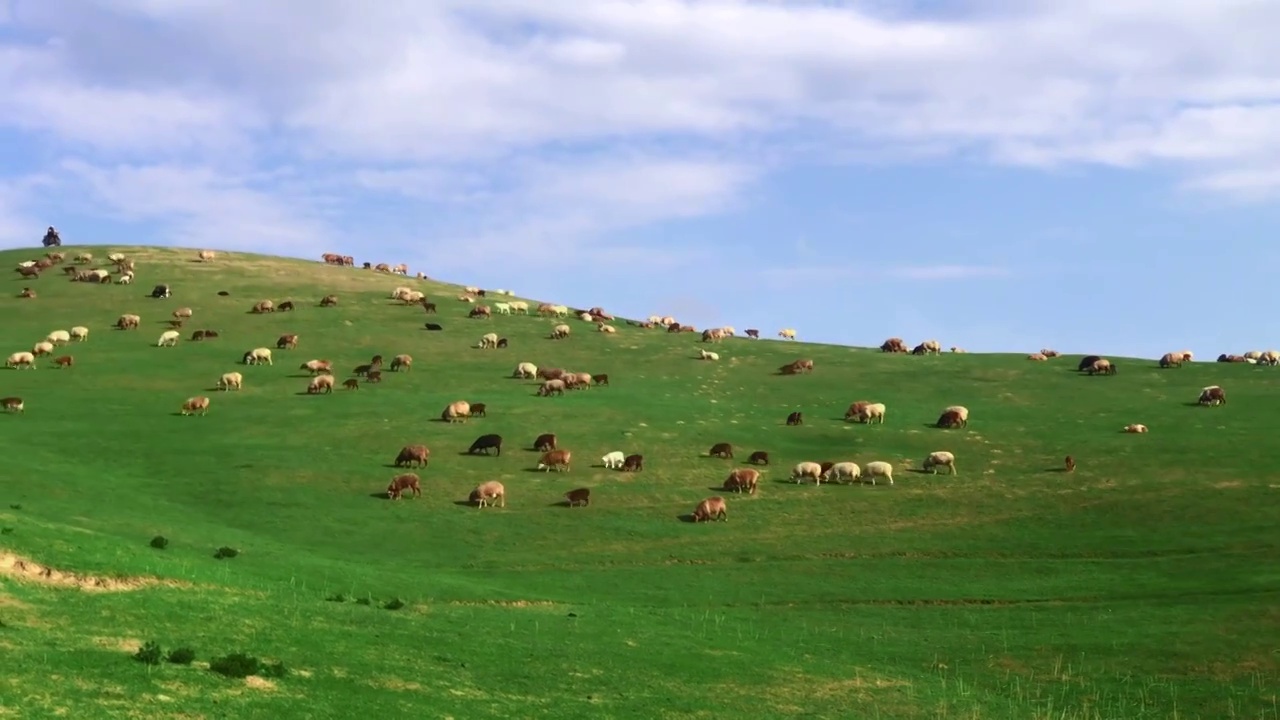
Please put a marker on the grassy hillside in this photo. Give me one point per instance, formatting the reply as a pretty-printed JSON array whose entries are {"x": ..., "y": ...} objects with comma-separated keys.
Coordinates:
[{"x": 1144, "y": 585}]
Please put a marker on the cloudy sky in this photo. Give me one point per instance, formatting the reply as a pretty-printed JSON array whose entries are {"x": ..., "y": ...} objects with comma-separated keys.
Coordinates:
[{"x": 1093, "y": 175}]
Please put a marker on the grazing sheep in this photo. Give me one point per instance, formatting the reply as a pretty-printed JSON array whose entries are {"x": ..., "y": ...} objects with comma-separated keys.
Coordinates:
[
  {"x": 1169, "y": 360},
  {"x": 855, "y": 409},
  {"x": 633, "y": 463},
  {"x": 581, "y": 496},
  {"x": 502, "y": 308},
  {"x": 230, "y": 380},
  {"x": 795, "y": 418},
  {"x": 742, "y": 480},
  {"x": 938, "y": 459},
  {"x": 753, "y": 333},
  {"x": 317, "y": 367},
  {"x": 287, "y": 342},
  {"x": 560, "y": 332},
  {"x": 601, "y": 379},
  {"x": 1135, "y": 428},
  {"x": 759, "y": 457},
  {"x": 413, "y": 456},
  {"x": 206, "y": 256},
  {"x": 128, "y": 322},
  {"x": 480, "y": 311},
  {"x": 721, "y": 450},
  {"x": 402, "y": 362},
  {"x": 1213, "y": 395},
  {"x": 558, "y": 459},
  {"x": 479, "y": 410},
  {"x": 872, "y": 412},
  {"x": 198, "y": 404},
  {"x": 606, "y": 329},
  {"x": 1050, "y": 353},
  {"x": 486, "y": 493},
  {"x": 65, "y": 361},
  {"x": 930, "y": 347},
  {"x": 796, "y": 367},
  {"x": 401, "y": 483},
  {"x": 21, "y": 359},
  {"x": 79, "y": 333},
  {"x": 161, "y": 291},
  {"x": 58, "y": 336},
  {"x": 457, "y": 411},
  {"x": 329, "y": 301},
  {"x": 807, "y": 470},
  {"x": 712, "y": 507},
  {"x": 545, "y": 442},
  {"x": 265, "y": 306},
  {"x": 1102, "y": 366},
  {"x": 168, "y": 338},
  {"x": 1040, "y": 357},
  {"x": 182, "y": 313},
  {"x": 1070, "y": 464},
  {"x": 320, "y": 384},
  {"x": 613, "y": 460},
  {"x": 27, "y": 293},
  {"x": 842, "y": 471},
  {"x": 954, "y": 416},
  {"x": 520, "y": 306},
  {"x": 1270, "y": 357},
  {"x": 525, "y": 370},
  {"x": 877, "y": 469},
  {"x": 1087, "y": 362},
  {"x": 257, "y": 356},
  {"x": 958, "y": 350},
  {"x": 787, "y": 334},
  {"x": 894, "y": 345},
  {"x": 351, "y": 384},
  {"x": 712, "y": 335},
  {"x": 489, "y": 340},
  {"x": 552, "y": 387},
  {"x": 42, "y": 348},
  {"x": 13, "y": 404},
  {"x": 704, "y": 355}
]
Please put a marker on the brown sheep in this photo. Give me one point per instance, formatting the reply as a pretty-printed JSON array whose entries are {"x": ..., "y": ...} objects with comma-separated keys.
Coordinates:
[
  {"x": 552, "y": 387},
  {"x": 712, "y": 507},
  {"x": 753, "y": 333},
  {"x": 320, "y": 384},
  {"x": 65, "y": 361},
  {"x": 400, "y": 362},
  {"x": 286, "y": 306},
  {"x": 13, "y": 404},
  {"x": 633, "y": 463},
  {"x": 352, "y": 384},
  {"x": 894, "y": 345},
  {"x": 429, "y": 307},
  {"x": 329, "y": 301},
  {"x": 287, "y": 342},
  {"x": 198, "y": 404},
  {"x": 1213, "y": 395},
  {"x": 480, "y": 311},
  {"x": 796, "y": 367},
  {"x": 759, "y": 457},
  {"x": 545, "y": 442},
  {"x": 1050, "y": 353},
  {"x": 373, "y": 376},
  {"x": 721, "y": 450},
  {"x": 950, "y": 419},
  {"x": 400, "y": 483},
  {"x": 1071, "y": 464},
  {"x": 486, "y": 493},
  {"x": 182, "y": 313},
  {"x": 795, "y": 418},
  {"x": 558, "y": 459},
  {"x": 317, "y": 367},
  {"x": 457, "y": 412},
  {"x": 413, "y": 456},
  {"x": 128, "y": 322},
  {"x": 581, "y": 496},
  {"x": 600, "y": 379},
  {"x": 742, "y": 480},
  {"x": 551, "y": 373},
  {"x": 27, "y": 293}
]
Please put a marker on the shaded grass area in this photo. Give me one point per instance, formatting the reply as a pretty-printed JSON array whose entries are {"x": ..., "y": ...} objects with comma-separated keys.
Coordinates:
[{"x": 1142, "y": 585}]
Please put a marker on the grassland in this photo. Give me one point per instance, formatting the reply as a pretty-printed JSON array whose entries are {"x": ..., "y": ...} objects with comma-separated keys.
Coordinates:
[{"x": 1144, "y": 585}]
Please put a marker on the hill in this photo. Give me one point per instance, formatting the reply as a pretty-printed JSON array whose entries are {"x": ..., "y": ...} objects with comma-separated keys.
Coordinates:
[{"x": 1143, "y": 585}]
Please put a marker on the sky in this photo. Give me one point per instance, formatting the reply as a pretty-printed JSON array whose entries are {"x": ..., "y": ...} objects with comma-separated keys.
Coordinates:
[{"x": 1095, "y": 176}]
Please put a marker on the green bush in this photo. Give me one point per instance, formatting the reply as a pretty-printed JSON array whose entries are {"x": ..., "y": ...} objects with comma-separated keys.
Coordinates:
[
  {"x": 159, "y": 542},
  {"x": 226, "y": 552},
  {"x": 149, "y": 653},
  {"x": 235, "y": 665},
  {"x": 182, "y": 656}
]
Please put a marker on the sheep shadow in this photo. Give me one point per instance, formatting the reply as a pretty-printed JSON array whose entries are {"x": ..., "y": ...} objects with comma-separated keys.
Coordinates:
[
  {"x": 464, "y": 503},
  {"x": 1056, "y": 470},
  {"x": 919, "y": 471},
  {"x": 1192, "y": 404},
  {"x": 566, "y": 504},
  {"x": 718, "y": 488},
  {"x": 685, "y": 517},
  {"x": 380, "y": 495}
]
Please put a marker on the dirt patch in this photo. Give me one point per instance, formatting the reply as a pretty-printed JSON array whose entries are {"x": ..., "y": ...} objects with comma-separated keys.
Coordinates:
[
  {"x": 507, "y": 603},
  {"x": 1228, "y": 484},
  {"x": 128, "y": 645},
  {"x": 395, "y": 684},
  {"x": 21, "y": 568},
  {"x": 259, "y": 683}
]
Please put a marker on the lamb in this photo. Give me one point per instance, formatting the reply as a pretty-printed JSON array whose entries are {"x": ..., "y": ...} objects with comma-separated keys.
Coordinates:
[
  {"x": 954, "y": 416},
  {"x": 787, "y": 334},
  {"x": 613, "y": 460},
  {"x": 79, "y": 333},
  {"x": 489, "y": 340},
  {"x": 287, "y": 342},
  {"x": 265, "y": 306},
  {"x": 317, "y": 367},
  {"x": 257, "y": 356},
  {"x": 938, "y": 459},
  {"x": 712, "y": 507},
  {"x": 486, "y": 493},
  {"x": 230, "y": 380},
  {"x": 198, "y": 404},
  {"x": 320, "y": 384},
  {"x": 525, "y": 370},
  {"x": 13, "y": 404},
  {"x": 168, "y": 338},
  {"x": 704, "y": 355},
  {"x": 581, "y": 496},
  {"x": 842, "y": 471},
  {"x": 457, "y": 411},
  {"x": 400, "y": 483},
  {"x": 742, "y": 479},
  {"x": 806, "y": 470},
  {"x": 21, "y": 359},
  {"x": 633, "y": 463},
  {"x": 351, "y": 384},
  {"x": 413, "y": 456},
  {"x": 759, "y": 457},
  {"x": 402, "y": 362},
  {"x": 721, "y": 450},
  {"x": 329, "y": 301},
  {"x": 558, "y": 459},
  {"x": 502, "y": 308},
  {"x": 65, "y": 361},
  {"x": 1135, "y": 428},
  {"x": 1213, "y": 395},
  {"x": 59, "y": 336},
  {"x": 560, "y": 332},
  {"x": 877, "y": 469},
  {"x": 545, "y": 442},
  {"x": 206, "y": 256}
]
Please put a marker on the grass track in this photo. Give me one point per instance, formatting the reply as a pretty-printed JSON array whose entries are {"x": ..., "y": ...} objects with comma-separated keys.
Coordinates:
[{"x": 1145, "y": 585}]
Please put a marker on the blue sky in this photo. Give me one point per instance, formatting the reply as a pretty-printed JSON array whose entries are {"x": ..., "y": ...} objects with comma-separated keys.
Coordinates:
[{"x": 1094, "y": 176}]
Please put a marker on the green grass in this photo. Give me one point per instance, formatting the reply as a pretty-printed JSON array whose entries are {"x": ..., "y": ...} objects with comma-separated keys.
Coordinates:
[{"x": 1144, "y": 585}]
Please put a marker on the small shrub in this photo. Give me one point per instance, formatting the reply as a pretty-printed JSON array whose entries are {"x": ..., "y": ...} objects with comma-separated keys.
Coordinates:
[
  {"x": 182, "y": 656},
  {"x": 364, "y": 601},
  {"x": 273, "y": 670},
  {"x": 394, "y": 604},
  {"x": 159, "y": 542},
  {"x": 235, "y": 665},
  {"x": 149, "y": 654},
  {"x": 15, "y": 507},
  {"x": 6, "y": 531},
  {"x": 226, "y": 552},
  {"x": 337, "y": 597}
]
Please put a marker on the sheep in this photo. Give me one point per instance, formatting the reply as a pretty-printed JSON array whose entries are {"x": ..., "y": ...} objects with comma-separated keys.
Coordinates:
[
  {"x": 168, "y": 338},
  {"x": 198, "y": 404},
  {"x": 27, "y": 293},
  {"x": 704, "y": 355},
  {"x": 742, "y": 479},
  {"x": 1169, "y": 360},
  {"x": 230, "y": 380},
  {"x": 320, "y": 384},
  {"x": 606, "y": 329},
  {"x": 329, "y": 301},
  {"x": 257, "y": 356},
  {"x": 581, "y": 496},
  {"x": 1270, "y": 357},
  {"x": 43, "y": 347},
  {"x": 402, "y": 362},
  {"x": 489, "y": 340},
  {"x": 287, "y": 342},
  {"x": 21, "y": 359},
  {"x": 1102, "y": 366},
  {"x": 613, "y": 460},
  {"x": 456, "y": 412},
  {"x": 413, "y": 456},
  {"x": 807, "y": 470},
  {"x": 560, "y": 332},
  {"x": 128, "y": 322},
  {"x": 893, "y": 345},
  {"x": 479, "y": 410},
  {"x": 13, "y": 404},
  {"x": 712, "y": 507},
  {"x": 58, "y": 336},
  {"x": 721, "y": 450},
  {"x": 558, "y": 459},
  {"x": 954, "y": 416},
  {"x": 502, "y": 308},
  {"x": 877, "y": 469},
  {"x": 795, "y": 418},
  {"x": 932, "y": 347},
  {"x": 1050, "y": 353},
  {"x": 1087, "y": 362},
  {"x": 182, "y": 313},
  {"x": 759, "y": 457},
  {"x": 84, "y": 258},
  {"x": 480, "y": 311},
  {"x": 206, "y": 256},
  {"x": 872, "y": 412},
  {"x": 79, "y": 333},
  {"x": 633, "y": 463},
  {"x": 585, "y": 317},
  {"x": 842, "y": 471},
  {"x": 265, "y": 306},
  {"x": 1134, "y": 428},
  {"x": 486, "y": 493},
  {"x": 958, "y": 350},
  {"x": 65, "y": 361},
  {"x": 796, "y": 367},
  {"x": 545, "y": 442},
  {"x": 351, "y": 384},
  {"x": 1213, "y": 395},
  {"x": 1070, "y": 464},
  {"x": 787, "y": 334},
  {"x": 525, "y": 370},
  {"x": 116, "y": 257},
  {"x": 519, "y": 306},
  {"x": 712, "y": 335},
  {"x": 317, "y": 367},
  {"x": 405, "y": 481},
  {"x": 938, "y": 459},
  {"x": 1039, "y": 357},
  {"x": 551, "y": 387}
]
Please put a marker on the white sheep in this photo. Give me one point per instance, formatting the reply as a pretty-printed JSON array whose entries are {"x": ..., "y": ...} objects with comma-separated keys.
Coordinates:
[
  {"x": 1135, "y": 428},
  {"x": 704, "y": 355},
  {"x": 525, "y": 370},
  {"x": 560, "y": 331},
  {"x": 472, "y": 289},
  {"x": 613, "y": 460},
  {"x": 230, "y": 380},
  {"x": 169, "y": 338},
  {"x": 807, "y": 470},
  {"x": 871, "y": 412},
  {"x": 938, "y": 459},
  {"x": 116, "y": 257},
  {"x": 400, "y": 292},
  {"x": 125, "y": 279},
  {"x": 502, "y": 308},
  {"x": 606, "y": 329},
  {"x": 21, "y": 359},
  {"x": 258, "y": 356},
  {"x": 27, "y": 264},
  {"x": 59, "y": 336},
  {"x": 519, "y": 306},
  {"x": 490, "y": 340},
  {"x": 877, "y": 469},
  {"x": 80, "y": 333},
  {"x": 843, "y": 471},
  {"x": 43, "y": 347}
]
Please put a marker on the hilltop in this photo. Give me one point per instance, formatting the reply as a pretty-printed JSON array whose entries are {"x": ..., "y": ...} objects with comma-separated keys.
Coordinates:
[{"x": 1139, "y": 586}]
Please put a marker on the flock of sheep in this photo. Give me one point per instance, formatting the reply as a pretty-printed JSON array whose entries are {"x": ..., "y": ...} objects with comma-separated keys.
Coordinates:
[{"x": 555, "y": 381}]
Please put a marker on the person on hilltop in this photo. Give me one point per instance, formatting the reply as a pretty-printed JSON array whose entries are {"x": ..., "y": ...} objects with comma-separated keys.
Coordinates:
[{"x": 51, "y": 238}]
